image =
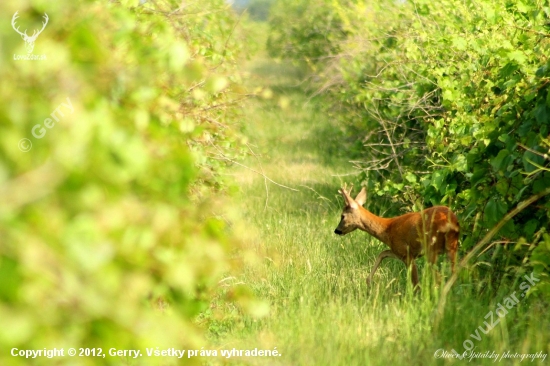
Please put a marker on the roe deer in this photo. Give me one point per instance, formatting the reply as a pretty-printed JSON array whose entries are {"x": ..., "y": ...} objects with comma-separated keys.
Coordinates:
[{"x": 432, "y": 231}]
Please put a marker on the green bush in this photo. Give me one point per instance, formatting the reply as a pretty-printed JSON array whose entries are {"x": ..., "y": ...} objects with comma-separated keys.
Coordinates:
[
  {"x": 107, "y": 235},
  {"x": 304, "y": 30},
  {"x": 449, "y": 103}
]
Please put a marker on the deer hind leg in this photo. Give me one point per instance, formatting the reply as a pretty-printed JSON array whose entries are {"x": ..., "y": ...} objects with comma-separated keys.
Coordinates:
[
  {"x": 451, "y": 247},
  {"x": 381, "y": 256},
  {"x": 410, "y": 262}
]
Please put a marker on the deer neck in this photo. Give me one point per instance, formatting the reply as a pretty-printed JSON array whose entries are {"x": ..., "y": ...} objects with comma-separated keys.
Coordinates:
[{"x": 374, "y": 225}]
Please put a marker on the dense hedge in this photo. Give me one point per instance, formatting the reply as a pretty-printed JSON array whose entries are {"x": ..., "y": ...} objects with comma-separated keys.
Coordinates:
[
  {"x": 449, "y": 103},
  {"x": 304, "y": 30},
  {"x": 102, "y": 243}
]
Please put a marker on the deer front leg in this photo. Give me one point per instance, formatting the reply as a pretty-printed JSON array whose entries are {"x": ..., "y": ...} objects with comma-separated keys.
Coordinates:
[
  {"x": 381, "y": 256},
  {"x": 410, "y": 262}
]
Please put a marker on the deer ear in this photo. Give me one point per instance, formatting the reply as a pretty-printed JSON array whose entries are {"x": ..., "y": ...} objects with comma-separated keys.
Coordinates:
[{"x": 361, "y": 197}]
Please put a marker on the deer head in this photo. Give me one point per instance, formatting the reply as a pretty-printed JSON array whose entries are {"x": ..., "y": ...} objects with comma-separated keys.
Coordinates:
[
  {"x": 29, "y": 40},
  {"x": 351, "y": 215}
]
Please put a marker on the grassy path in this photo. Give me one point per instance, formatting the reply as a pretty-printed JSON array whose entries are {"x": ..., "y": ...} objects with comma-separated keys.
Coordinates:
[{"x": 321, "y": 312}]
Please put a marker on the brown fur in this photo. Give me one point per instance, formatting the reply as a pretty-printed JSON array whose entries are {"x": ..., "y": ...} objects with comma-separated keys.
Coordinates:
[{"x": 432, "y": 231}]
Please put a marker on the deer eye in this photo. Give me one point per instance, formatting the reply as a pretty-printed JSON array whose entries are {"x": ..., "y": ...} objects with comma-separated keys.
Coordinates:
[{"x": 341, "y": 218}]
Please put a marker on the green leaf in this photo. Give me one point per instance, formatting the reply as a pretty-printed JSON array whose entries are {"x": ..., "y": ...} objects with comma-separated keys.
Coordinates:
[
  {"x": 480, "y": 175},
  {"x": 531, "y": 160},
  {"x": 522, "y": 7},
  {"x": 438, "y": 178},
  {"x": 541, "y": 183},
  {"x": 530, "y": 227},
  {"x": 517, "y": 56},
  {"x": 460, "y": 43},
  {"x": 494, "y": 211},
  {"x": 541, "y": 71},
  {"x": 502, "y": 186},
  {"x": 459, "y": 163},
  {"x": 410, "y": 177},
  {"x": 508, "y": 70},
  {"x": 501, "y": 161},
  {"x": 540, "y": 257},
  {"x": 541, "y": 114}
]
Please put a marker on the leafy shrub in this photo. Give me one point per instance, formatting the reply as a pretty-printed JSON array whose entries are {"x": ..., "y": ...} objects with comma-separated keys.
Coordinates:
[
  {"x": 102, "y": 242},
  {"x": 450, "y": 104},
  {"x": 305, "y": 30}
]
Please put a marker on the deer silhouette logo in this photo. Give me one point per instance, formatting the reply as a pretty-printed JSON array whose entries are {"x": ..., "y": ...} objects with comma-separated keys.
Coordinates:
[{"x": 29, "y": 40}]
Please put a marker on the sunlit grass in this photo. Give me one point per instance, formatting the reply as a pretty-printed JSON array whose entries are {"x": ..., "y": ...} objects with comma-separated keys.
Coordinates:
[{"x": 321, "y": 311}]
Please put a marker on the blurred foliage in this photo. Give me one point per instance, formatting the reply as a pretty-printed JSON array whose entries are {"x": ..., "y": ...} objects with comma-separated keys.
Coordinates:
[
  {"x": 108, "y": 237},
  {"x": 306, "y": 30},
  {"x": 445, "y": 103}
]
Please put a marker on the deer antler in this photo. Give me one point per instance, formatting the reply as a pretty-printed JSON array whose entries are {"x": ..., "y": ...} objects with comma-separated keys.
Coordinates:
[
  {"x": 346, "y": 193},
  {"x": 13, "y": 19}
]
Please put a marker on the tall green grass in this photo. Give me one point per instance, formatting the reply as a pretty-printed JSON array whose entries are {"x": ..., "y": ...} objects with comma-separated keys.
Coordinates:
[{"x": 320, "y": 310}]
